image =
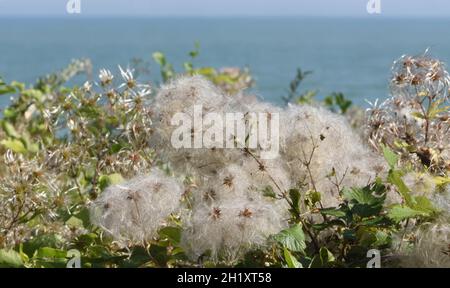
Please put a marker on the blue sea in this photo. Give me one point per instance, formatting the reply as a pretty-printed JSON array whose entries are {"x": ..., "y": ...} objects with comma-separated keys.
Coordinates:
[{"x": 347, "y": 55}]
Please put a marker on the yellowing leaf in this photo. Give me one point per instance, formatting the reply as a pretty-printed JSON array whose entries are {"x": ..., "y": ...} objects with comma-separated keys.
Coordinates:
[
  {"x": 15, "y": 145},
  {"x": 418, "y": 115},
  {"x": 439, "y": 180}
]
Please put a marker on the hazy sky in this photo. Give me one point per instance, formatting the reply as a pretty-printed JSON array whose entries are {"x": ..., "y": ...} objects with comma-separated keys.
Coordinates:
[{"x": 390, "y": 8}]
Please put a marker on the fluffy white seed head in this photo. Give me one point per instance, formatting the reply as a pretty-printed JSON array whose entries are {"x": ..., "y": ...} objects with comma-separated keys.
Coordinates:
[
  {"x": 420, "y": 184},
  {"x": 431, "y": 248},
  {"x": 134, "y": 210},
  {"x": 323, "y": 151},
  {"x": 441, "y": 200},
  {"x": 271, "y": 173},
  {"x": 224, "y": 231},
  {"x": 231, "y": 215},
  {"x": 229, "y": 183},
  {"x": 180, "y": 96}
]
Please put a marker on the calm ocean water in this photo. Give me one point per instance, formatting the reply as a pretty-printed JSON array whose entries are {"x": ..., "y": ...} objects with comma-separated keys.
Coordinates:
[{"x": 352, "y": 56}]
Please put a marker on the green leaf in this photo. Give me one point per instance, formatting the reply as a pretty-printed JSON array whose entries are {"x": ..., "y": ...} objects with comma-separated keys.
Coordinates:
[
  {"x": 9, "y": 113},
  {"x": 424, "y": 204},
  {"x": 390, "y": 156},
  {"x": 339, "y": 100},
  {"x": 365, "y": 210},
  {"x": 34, "y": 94},
  {"x": 268, "y": 192},
  {"x": 294, "y": 195},
  {"x": 292, "y": 238},
  {"x": 343, "y": 103},
  {"x": 323, "y": 259},
  {"x": 328, "y": 224},
  {"x": 5, "y": 89},
  {"x": 291, "y": 261},
  {"x": 366, "y": 236},
  {"x": 349, "y": 235},
  {"x": 362, "y": 196},
  {"x": 29, "y": 145},
  {"x": 401, "y": 212},
  {"x": 116, "y": 147},
  {"x": 333, "y": 212},
  {"x": 206, "y": 71},
  {"x": 47, "y": 257},
  {"x": 418, "y": 115},
  {"x": 315, "y": 197},
  {"x": 380, "y": 221},
  {"x": 86, "y": 240},
  {"x": 74, "y": 222},
  {"x": 395, "y": 178},
  {"x": 383, "y": 238},
  {"x": 436, "y": 108},
  {"x": 441, "y": 181},
  {"x": 160, "y": 58},
  {"x": 326, "y": 256},
  {"x": 307, "y": 97},
  {"x": 367, "y": 201},
  {"x": 188, "y": 66},
  {"x": 84, "y": 216},
  {"x": 172, "y": 233},
  {"x": 10, "y": 259},
  {"x": 168, "y": 72},
  {"x": 9, "y": 129},
  {"x": 50, "y": 253},
  {"x": 194, "y": 53},
  {"x": 15, "y": 145},
  {"x": 44, "y": 240},
  {"x": 108, "y": 180},
  {"x": 18, "y": 85}
]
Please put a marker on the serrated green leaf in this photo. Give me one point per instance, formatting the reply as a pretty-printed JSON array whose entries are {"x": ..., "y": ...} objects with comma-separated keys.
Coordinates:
[
  {"x": 365, "y": 210},
  {"x": 363, "y": 196},
  {"x": 292, "y": 238},
  {"x": 390, "y": 156},
  {"x": 401, "y": 212}
]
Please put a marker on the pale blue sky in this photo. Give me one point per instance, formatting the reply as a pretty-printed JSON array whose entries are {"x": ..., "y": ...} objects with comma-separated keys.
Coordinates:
[{"x": 334, "y": 8}]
